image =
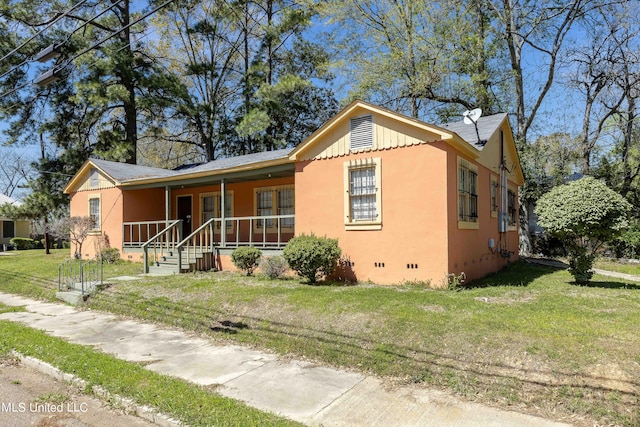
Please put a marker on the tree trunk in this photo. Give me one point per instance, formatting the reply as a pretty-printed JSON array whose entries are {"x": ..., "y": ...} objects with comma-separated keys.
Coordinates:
[{"x": 125, "y": 75}]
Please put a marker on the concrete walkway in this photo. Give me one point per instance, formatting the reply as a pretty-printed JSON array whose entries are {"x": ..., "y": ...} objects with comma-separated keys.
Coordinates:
[{"x": 302, "y": 391}]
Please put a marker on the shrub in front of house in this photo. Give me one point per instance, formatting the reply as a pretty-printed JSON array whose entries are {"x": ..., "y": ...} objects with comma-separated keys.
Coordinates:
[
  {"x": 311, "y": 256},
  {"x": 274, "y": 266},
  {"x": 110, "y": 255},
  {"x": 246, "y": 259},
  {"x": 22, "y": 243}
]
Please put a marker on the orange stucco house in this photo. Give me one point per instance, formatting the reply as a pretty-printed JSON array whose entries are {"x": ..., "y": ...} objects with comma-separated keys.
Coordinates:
[{"x": 406, "y": 200}]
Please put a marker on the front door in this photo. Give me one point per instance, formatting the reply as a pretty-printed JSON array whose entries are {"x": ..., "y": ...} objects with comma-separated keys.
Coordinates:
[{"x": 184, "y": 213}]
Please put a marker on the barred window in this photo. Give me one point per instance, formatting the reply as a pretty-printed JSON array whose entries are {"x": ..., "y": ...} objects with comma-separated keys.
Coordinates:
[
  {"x": 363, "y": 197},
  {"x": 467, "y": 192},
  {"x": 494, "y": 196},
  {"x": 94, "y": 212},
  {"x": 511, "y": 207},
  {"x": 362, "y": 190}
]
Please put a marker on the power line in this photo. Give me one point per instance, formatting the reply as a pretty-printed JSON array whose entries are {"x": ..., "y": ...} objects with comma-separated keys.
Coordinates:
[
  {"x": 69, "y": 61},
  {"x": 26, "y": 61},
  {"x": 115, "y": 34},
  {"x": 43, "y": 30}
]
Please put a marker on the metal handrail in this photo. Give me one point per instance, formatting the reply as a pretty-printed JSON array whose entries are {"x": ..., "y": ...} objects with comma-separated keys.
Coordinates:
[{"x": 80, "y": 272}]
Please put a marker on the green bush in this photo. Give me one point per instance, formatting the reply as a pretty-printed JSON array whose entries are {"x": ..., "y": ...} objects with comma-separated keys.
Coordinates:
[
  {"x": 580, "y": 264},
  {"x": 274, "y": 266},
  {"x": 312, "y": 256},
  {"x": 110, "y": 255},
  {"x": 584, "y": 215},
  {"x": 246, "y": 258},
  {"x": 22, "y": 243}
]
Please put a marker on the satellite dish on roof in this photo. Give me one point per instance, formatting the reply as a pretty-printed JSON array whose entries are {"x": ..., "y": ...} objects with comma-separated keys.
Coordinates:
[{"x": 471, "y": 117}]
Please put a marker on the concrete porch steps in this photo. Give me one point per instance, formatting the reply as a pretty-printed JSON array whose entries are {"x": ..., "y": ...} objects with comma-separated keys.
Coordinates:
[{"x": 167, "y": 265}]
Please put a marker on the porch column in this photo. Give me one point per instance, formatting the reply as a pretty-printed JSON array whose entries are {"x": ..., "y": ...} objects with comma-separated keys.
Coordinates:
[
  {"x": 167, "y": 205},
  {"x": 223, "y": 213}
]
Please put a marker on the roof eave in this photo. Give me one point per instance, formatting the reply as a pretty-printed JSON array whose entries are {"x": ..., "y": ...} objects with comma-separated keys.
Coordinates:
[
  {"x": 201, "y": 174},
  {"x": 295, "y": 155}
]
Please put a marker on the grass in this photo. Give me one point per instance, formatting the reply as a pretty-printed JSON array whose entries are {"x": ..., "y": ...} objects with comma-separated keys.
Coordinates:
[
  {"x": 525, "y": 339},
  {"x": 628, "y": 268},
  {"x": 188, "y": 403}
]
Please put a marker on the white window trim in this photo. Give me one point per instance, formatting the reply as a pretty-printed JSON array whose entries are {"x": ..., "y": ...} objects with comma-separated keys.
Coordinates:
[
  {"x": 462, "y": 224},
  {"x": 274, "y": 205},
  {"x": 97, "y": 227},
  {"x": 217, "y": 208},
  {"x": 349, "y": 224}
]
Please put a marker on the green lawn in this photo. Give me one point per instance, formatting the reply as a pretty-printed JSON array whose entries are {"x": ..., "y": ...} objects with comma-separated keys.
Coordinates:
[
  {"x": 525, "y": 339},
  {"x": 191, "y": 404},
  {"x": 627, "y": 268}
]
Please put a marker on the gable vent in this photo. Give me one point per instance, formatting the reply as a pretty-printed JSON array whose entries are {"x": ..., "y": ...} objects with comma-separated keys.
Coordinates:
[{"x": 361, "y": 132}]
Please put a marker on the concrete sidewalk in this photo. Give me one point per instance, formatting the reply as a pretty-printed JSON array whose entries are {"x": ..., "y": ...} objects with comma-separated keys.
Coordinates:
[{"x": 302, "y": 391}]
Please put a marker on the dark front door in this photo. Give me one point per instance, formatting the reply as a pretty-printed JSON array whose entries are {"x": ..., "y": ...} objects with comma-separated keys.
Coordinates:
[{"x": 184, "y": 213}]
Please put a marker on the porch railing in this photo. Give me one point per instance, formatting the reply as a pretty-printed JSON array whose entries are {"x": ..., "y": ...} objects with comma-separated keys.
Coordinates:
[
  {"x": 135, "y": 234},
  {"x": 162, "y": 243},
  {"x": 273, "y": 231}
]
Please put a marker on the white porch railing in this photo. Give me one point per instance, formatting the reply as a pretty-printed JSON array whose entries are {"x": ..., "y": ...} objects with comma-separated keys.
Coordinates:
[
  {"x": 135, "y": 234},
  {"x": 162, "y": 243},
  {"x": 267, "y": 232}
]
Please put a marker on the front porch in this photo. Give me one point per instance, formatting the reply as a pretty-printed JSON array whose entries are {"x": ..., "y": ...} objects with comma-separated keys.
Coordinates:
[{"x": 165, "y": 249}]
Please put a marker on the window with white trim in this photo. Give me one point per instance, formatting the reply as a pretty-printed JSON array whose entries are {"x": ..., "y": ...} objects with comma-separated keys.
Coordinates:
[
  {"x": 362, "y": 191},
  {"x": 211, "y": 207},
  {"x": 494, "y": 196},
  {"x": 271, "y": 201},
  {"x": 467, "y": 191},
  {"x": 361, "y": 136},
  {"x": 94, "y": 213},
  {"x": 363, "y": 208}
]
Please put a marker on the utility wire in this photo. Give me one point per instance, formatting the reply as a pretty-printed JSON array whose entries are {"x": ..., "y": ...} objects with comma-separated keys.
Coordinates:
[
  {"x": 26, "y": 61},
  {"x": 43, "y": 30},
  {"x": 69, "y": 61},
  {"x": 113, "y": 35}
]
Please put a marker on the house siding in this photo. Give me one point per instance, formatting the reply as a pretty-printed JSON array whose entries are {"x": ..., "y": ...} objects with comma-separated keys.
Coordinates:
[
  {"x": 111, "y": 218},
  {"x": 387, "y": 134},
  {"x": 22, "y": 229},
  {"x": 414, "y": 214},
  {"x": 468, "y": 249}
]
